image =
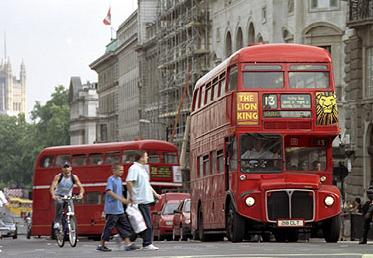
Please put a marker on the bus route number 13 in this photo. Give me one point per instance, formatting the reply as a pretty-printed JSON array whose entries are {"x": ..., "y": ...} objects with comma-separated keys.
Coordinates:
[{"x": 269, "y": 101}]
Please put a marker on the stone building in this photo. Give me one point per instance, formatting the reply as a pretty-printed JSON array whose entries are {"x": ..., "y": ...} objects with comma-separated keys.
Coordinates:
[
  {"x": 83, "y": 100},
  {"x": 359, "y": 96},
  {"x": 128, "y": 89},
  {"x": 106, "y": 67},
  {"x": 12, "y": 90}
]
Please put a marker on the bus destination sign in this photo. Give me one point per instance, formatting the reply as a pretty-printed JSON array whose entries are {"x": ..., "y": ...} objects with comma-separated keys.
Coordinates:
[
  {"x": 247, "y": 108},
  {"x": 295, "y": 101}
]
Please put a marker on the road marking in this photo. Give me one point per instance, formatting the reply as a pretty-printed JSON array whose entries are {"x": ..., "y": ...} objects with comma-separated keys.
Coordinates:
[{"x": 367, "y": 256}]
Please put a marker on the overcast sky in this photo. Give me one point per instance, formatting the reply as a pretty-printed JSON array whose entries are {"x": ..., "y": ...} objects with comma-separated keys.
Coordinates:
[{"x": 57, "y": 39}]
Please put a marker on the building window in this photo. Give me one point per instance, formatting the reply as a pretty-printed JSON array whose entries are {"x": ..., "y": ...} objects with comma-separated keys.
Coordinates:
[
  {"x": 369, "y": 72},
  {"x": 290, "y": 7},
  {"x": 264, "y": 14},
  {"x": 217, "y": 34},
  {"x": 324, "y": 4}
]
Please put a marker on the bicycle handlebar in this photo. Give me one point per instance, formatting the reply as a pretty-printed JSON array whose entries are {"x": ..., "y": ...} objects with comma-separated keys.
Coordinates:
[{"x": 69, "y": 197}]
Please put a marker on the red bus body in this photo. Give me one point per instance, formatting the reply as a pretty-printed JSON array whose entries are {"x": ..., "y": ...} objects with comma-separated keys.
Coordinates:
[
  {"x": 282, "y": 95},
  {"x": 92, "y": 164}
]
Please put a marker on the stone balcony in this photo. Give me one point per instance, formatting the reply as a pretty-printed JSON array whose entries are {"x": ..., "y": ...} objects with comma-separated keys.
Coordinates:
[{"x": 360, "y": 13}]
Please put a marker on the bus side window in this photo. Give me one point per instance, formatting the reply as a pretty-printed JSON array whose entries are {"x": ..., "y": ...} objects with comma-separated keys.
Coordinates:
[
  {"x": 78, "y": 160},
  {"x": 46, "y": 162},
  {"x": 111, "y": 158},
  {"x": 195, "y": 99},
  {"x": 95, "y": 159},
  {"x": 221, "y": 85},
  {"x": 220, "y": 161},
  {"x": 61, "y": 159},
  {"x": 233, "y": 78},
  {"x": 128, "y": 156}
]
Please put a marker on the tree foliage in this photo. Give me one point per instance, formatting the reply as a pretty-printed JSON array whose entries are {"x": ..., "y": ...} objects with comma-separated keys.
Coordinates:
[{"x": 20, "y": 142}]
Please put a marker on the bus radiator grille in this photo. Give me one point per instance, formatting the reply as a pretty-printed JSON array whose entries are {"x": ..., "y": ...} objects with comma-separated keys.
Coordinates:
[{"x": 290, "y": 204}]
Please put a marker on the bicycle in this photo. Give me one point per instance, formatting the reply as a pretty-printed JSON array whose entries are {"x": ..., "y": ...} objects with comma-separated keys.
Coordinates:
[{"x": 69, "y": 225}]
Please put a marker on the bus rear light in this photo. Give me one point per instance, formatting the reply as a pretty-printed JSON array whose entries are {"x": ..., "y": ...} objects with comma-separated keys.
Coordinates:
[
  {"x": 329, "y": 201},
  {"x": 250, "y": 201},
  {"x": 322, "y": 178}
]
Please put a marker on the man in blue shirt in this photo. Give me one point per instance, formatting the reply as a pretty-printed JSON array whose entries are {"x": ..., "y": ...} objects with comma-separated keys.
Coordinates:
[
  {"x": 141, "y": 192},
  {"x": 114, "y": 211}
]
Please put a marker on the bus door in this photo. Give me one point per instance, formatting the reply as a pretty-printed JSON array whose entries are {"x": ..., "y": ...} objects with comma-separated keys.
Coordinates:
[{"x": 230, "y": 160}]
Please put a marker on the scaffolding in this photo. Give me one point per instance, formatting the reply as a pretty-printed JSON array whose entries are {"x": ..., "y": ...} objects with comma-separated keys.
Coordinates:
[{"x": 183, "y": 50}]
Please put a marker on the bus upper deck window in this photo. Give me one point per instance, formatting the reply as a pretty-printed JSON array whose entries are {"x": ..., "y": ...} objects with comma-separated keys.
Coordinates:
[
  {"x": 128, "y": 156},
  {"x": 308, "y": 76},
  {"x": 111, "y": 158},
  {"x": 154, "y": 158},
  {"x": 233, "y": 78},
  {"x": 95, "y": 159},
  {"x": 61, "y": 159},
  {"x": 78, "y": 160},
  {"x": 170, "y": 158},
  {"x": 46, "y": 162}
]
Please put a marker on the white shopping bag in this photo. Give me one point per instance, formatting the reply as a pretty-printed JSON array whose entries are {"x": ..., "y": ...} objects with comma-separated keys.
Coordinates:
[{"x": 135, "y": 217}]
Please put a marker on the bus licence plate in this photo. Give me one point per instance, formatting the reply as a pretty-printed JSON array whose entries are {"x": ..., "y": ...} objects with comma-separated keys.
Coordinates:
[{"x": 290, "y": 223}]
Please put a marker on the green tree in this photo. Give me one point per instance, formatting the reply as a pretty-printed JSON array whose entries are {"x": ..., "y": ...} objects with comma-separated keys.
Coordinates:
[
  {"x": 52, "y": 119},
  {"x": 20, "y": 142}
]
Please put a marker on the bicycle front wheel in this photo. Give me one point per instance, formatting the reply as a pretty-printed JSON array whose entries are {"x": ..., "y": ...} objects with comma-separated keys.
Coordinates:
[
  {"x": 60, "y": 236},
  {"x": 73, "y": 235}
]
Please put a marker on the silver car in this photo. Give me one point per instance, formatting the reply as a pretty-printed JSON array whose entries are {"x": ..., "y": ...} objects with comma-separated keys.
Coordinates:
[{"x": 8, "y": 227}]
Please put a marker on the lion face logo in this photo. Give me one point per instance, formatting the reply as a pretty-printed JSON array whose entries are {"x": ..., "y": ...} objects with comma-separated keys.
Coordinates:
[{"x": 326, "y": 108}]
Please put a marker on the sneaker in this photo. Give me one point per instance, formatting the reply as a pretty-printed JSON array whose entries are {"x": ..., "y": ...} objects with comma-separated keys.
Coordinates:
[
  {"x": 103, "y": 248},
  {"x": 56, "y": 225},
  {"x": 131, "y": 247},
  {"x": 150, "y": 247}
]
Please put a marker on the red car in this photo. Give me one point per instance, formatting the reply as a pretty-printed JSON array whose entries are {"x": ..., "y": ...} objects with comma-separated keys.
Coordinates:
[
  {"x": 181, "y": 222},
  {"x": 163, "y": 214}
]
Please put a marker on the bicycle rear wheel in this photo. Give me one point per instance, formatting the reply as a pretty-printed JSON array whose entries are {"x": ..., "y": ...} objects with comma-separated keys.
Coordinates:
[
  {"x": 60, "y": 236},
  {"x": 73, "y": 235}
]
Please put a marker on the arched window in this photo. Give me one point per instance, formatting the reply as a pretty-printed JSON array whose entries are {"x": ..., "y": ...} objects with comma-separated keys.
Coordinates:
[
  {"x": 251, "y": 34},
  {"x": 239, "y": 40},
  {"x": 228, "y": 45}
]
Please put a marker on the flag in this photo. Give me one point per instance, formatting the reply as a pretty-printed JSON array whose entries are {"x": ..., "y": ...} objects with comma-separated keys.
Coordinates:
[{"x": 107, "y": 20}]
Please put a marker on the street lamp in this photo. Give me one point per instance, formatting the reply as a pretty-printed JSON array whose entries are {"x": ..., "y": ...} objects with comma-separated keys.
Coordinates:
[{"x": 146, "y": 121}]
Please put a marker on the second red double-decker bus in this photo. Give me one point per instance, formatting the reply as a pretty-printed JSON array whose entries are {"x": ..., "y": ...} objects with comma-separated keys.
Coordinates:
[
  {"x": 92, "y": 164},
  {"x": 262, "y": 126}
]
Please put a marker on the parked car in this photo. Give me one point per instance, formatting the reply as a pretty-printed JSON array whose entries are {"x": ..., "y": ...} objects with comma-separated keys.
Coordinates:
[
  {"x": 8, "y": 227},
  {"x": 181, "y": 222},
  {"x": 163, "y": 214}
]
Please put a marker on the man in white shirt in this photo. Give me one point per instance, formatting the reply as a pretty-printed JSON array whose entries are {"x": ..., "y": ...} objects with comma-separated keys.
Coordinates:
[
  {"x": 3, "y": 200},
  {"x": 142, "y": 193}
]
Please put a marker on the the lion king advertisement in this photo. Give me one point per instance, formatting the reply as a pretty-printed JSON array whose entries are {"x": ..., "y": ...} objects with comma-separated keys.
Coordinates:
[{"x": 326, "y": 108}]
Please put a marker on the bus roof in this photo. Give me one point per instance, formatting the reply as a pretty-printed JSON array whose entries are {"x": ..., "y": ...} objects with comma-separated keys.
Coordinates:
[
  {"x": 112, "y": 146},
  {"x": 271, "y": 53}
]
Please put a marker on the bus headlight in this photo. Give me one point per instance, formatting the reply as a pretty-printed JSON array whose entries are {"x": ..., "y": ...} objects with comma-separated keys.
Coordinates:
[
  {"x": 250, "y": 201},
  {"x": 322, "y": 178},
  {"x": 329, "y": 201}
]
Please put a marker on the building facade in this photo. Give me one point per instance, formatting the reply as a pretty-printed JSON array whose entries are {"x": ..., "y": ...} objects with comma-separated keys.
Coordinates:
[
  {"x": 106, "y": 67},
  {"x": 359, "y": 96},
  {"x": 83, "y": 100},
  {"x": 12, "y": 90},
  {"x": 128, "y": 90}
]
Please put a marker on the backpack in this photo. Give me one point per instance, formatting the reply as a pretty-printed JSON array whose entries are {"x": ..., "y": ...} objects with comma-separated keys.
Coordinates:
[{"x": 72, "y": 178}]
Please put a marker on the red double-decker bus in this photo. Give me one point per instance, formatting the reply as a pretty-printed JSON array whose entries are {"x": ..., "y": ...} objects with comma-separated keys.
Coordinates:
[
  {"x": 262, "y": 126},
  {"x": 92, "y": 164}
]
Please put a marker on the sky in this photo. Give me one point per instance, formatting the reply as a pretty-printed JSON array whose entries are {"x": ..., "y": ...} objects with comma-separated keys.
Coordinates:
[{"x": 57, "y": 39}]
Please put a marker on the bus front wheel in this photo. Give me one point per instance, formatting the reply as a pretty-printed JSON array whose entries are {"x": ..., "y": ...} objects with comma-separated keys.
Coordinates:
[
  {"x": 331, "y": 229},
  {"x": 200, "y": 231},
  {"x": 235, "y": 225}
]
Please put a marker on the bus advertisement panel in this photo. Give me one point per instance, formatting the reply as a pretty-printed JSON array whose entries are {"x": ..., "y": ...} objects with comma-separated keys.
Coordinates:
[{"x": 262, "y": 126}]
